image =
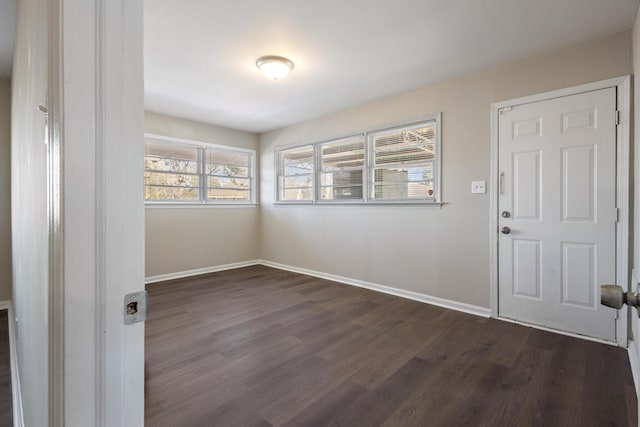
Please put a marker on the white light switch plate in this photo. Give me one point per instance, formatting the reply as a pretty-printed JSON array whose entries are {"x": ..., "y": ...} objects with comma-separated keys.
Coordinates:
[{"x": 478, "y": 187}]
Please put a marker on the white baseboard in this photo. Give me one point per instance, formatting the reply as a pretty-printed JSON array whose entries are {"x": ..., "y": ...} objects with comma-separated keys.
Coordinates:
[
  {"x": 198, "y": 271},
  {"x": 18, "y": 416},
  {"x": 416, "y": 296}
]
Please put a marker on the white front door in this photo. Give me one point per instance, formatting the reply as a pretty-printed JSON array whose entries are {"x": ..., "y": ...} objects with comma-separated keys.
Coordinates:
[{"x": 557, "y": 212}]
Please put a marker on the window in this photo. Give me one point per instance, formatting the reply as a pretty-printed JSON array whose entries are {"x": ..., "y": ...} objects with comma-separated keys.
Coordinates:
[
  {"x": 178, "y": 171},
  {"x": 395, "y": 165},
  {"x": 171, "y": 172},
  {"x": 341, "y": 169},
  {"x": 404, "y": 163},
  {"x": 295, "y": 174}
]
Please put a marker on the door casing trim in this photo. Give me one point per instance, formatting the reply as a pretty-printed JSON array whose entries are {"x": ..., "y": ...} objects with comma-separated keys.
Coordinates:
[{"x": 623, "y": 102}]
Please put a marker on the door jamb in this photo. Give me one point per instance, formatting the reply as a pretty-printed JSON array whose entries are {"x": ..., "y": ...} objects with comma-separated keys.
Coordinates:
[{"x": 623, "y": 102}]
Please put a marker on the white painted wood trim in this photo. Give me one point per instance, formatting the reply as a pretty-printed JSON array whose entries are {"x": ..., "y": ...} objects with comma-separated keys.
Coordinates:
[
  {"x": 416, "y": 296},
  {"x": 559, "y": 93},
  {"x": 622, "y": 84},
  {"x": 493, "y": 214},
  {"x": 4, "y": 305},
  {"x": 18, "y": 415},
  {"x": 634, "y": 361},
  {"x": 55, "y": 213},
  {"x": 623, "y": 91},
  {"x": 198, "y": 271},
  {"x": 160, "y": 205}
]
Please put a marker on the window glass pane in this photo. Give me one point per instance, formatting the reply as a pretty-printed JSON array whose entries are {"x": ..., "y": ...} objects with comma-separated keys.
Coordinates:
[
  {"x": 170, "y": 157},
  {"x": 296, "y": 194},
  {"x": 404, "y": 191},
  {"x": 298, "y": 181},
  {"x": 341, "y": 193},
  {"x": 231, "y": 183},
  {"x": 404, "y": 183},
  {"x": 167, "y": 193},
  {"x": 222, "y": 194},
  {"x": 297, "y": 161},
  {"x": 415, "y": 144},
  {"x": 170, "y": 186},
  {"x": 227, "y": 163}
]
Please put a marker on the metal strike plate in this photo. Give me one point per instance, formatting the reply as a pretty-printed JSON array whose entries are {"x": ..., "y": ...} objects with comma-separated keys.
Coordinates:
[{"x": 135, "y": 307}]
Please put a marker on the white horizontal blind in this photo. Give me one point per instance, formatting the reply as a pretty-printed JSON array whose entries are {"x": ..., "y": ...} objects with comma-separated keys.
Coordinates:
[
  {"x": 341, "y": 169},
  {"x": 295, "y": 174},
  {"x": 404, "y": 163},
  {"x": 228, "y": 175},
  {"x": 171, "y": 172}
]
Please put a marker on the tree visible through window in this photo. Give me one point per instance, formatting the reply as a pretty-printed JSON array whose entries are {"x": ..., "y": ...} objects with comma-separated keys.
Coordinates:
[
  {"x": 295, "y": 177},
  {"x": 197, "y": 172}
]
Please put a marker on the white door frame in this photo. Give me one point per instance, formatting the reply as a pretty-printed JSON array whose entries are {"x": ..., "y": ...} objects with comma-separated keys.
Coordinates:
[
  {"x": 623, "y": 86},
  {"x": 96, "y": 212}
]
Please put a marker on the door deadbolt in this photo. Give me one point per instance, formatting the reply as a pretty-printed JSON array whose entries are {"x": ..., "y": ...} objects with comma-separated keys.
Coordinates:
[
  {"x": 506, "y": 214},
  {"x": 505, "y": 230}
]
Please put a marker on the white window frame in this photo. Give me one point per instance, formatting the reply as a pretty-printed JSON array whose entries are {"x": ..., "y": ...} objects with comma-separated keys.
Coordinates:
[
  {"x": 279, "y": 172},
  {"x": 368, "y": 170},
  {"x": 318, "y": 170},
  {"x": 436, "y": 199},
  {"x": 203, "y": 176}
]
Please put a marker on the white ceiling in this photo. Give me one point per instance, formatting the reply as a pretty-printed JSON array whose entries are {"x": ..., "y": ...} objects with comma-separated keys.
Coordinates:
[
  {"x": 7, "y": 36},
  {"x": 200, "y": 54}
]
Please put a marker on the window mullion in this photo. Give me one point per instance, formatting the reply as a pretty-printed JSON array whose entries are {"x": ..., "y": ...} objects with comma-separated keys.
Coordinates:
[{"x": 204, "y": 182}]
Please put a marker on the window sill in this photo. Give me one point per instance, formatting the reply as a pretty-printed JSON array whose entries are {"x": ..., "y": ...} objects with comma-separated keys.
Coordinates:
[
  {"x": 370, "y": 203},
  {"x": 162, "y": 205}
]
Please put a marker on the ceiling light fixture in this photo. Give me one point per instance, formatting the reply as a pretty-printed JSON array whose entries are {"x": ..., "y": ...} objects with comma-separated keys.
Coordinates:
[{"x": 274, "y": 67}]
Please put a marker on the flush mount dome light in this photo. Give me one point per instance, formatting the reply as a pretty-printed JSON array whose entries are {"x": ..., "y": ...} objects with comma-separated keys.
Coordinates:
[{"x": 274, "y": 67}]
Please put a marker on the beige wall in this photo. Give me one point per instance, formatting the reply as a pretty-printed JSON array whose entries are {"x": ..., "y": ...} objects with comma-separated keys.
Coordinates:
[
  {"x": 440, "y": 252},
  {"x": 187, "y": 238},
  {"x": 5, "y": 190}
]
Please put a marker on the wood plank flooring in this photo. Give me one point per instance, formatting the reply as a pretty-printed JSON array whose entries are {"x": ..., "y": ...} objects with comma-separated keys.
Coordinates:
[
  {"x": 6, "y": 405},
  {"x": 263, "y": 347}
]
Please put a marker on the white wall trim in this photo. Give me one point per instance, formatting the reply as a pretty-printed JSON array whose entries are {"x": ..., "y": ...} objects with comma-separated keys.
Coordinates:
[
  {"x": 634, "y": 361},
  {"x": 622, "y": 85},
  {"x": 16, "y": 391},
  {"x": 198, "y": 271},
  {"x": 416, "y": 296}
]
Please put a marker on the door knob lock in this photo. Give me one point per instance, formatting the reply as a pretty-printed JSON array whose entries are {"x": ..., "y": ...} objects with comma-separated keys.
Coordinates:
[
  {"x": 506, "y": 230},
  {"x": 615, "y": 297}
]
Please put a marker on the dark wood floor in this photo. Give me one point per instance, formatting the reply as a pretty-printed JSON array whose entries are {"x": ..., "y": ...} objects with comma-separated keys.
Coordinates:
[
  {"x": 259, "y": 346},
  {"x": 6, "y": 406}
]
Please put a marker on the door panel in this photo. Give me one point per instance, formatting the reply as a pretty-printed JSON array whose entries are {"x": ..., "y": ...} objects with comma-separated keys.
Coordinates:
[{"x": 558, "y": 164}]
